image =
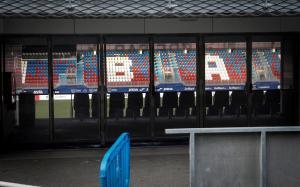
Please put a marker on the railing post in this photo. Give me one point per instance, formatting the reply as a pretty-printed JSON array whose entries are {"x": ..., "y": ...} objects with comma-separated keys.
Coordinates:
[
  {"x": 263, "y": 159},
  {"x": 192, "y": 160}
]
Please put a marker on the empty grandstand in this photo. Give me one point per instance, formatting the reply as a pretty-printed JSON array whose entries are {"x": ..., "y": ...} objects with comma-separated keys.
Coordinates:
[
  {"x": 91, "y": 74},
  {"x": 174, "y": 69}
]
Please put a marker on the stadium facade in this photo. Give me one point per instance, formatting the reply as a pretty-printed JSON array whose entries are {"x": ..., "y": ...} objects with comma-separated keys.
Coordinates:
[{"x": 85, "y": 71}]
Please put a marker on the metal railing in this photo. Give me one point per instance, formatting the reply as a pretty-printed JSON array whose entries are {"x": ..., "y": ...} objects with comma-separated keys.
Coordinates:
[
  {"x": 115, "y": 165},
  {"x": 263, "y": 153}
]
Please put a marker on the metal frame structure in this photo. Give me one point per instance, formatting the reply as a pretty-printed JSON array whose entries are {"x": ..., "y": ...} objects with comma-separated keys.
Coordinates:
[
  {"x": 147, "y": 8},
  {"x": 263, "y": 145},
  {"x": 101, "y": 41}
]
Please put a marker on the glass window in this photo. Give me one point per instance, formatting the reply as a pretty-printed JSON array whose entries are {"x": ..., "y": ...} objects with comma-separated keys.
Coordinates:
[
  {"x": 175, "y": 66},
  {"x": 127, "y": 82},
  {"x": 175, "y": 82},
  {"x": 266, "y": 68},
  {"x": 127, "y": 67},
  {"x": 75, "y": 69},
  {"x": 225, "y": 66},
  {"x": 26, "y": 77},
  {"x": 76, "y": 101},
  {"x": 225, "y": 79},
  {"x": 271, "y": 105}
]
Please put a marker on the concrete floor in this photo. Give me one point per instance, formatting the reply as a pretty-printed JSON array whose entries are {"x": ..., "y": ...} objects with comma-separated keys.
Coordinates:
[{"x": 165, "y": 166}]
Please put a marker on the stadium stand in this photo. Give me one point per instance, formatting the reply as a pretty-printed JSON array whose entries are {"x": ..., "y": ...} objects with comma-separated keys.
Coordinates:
[
  {"x": 127, "y": 67},
  {"x": 175, "y": 66},
  {"x": 266, "y": 65},
  {"x": 131, "y": 68},
  {"x": 90, "y": 69},
  {"x": 36, "y": 73},
  {"x": 224, "y": 67}
]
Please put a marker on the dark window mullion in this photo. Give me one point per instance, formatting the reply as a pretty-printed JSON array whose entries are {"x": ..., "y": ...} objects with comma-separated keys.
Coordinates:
[
  {"x": 200, "y": 84},
  {"x": 248, "y": 86},
  {"x": 102, "y": 103},
  {"x": 2, "y": 61},
  {"x": 50, "y": 90},
  {"x": 151, "y": 87}
]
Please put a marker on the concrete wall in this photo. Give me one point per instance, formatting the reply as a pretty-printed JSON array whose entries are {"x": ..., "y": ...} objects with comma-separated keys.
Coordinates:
[
  {"x": 149, "y": 26},
  {"x": 233, "y": 159},
  {"x": 227, "y": 160},
  {"x": 283, "y": 158}
]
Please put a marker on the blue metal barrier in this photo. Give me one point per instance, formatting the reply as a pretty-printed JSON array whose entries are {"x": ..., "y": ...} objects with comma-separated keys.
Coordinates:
[{"x": 115, "y": 165}]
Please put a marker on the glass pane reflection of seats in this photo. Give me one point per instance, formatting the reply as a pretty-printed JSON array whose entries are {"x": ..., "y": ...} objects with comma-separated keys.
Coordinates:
[
  {"x": 26, "y": 70},
  {"x": 127, "y": 67},
  {"x": 266, "y": 76},
  {"x": 225, "y": 78},
  {"x": 175, "y": 82},
  {"x": 175, "y": 64},
  {"x": 127, "y": 82},
  {"x": 75, "y": 69},
  {"x": 76, "y": 102}
]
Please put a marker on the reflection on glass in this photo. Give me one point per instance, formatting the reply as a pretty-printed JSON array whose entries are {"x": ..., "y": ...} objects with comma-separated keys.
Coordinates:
[
  {"x": 266, "y": 57},
  {"x": 266, "y": 75},
  {"x": 26, "y": 83},
  {"x": 127, "y": 81},
  {"x": 225, "y": 79},
  {"x": 76, "y": 104},
  {"x": 75, "y": 69},
  {"x": 127, "y": 67},
  {"x": 175, "y": 82},
  {"x": 175, "y": 66},
  {"x": 225, "y": 66}
]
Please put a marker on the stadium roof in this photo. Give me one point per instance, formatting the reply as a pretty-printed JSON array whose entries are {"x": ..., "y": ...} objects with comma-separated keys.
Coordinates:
[{"x": 147, "y": 8}]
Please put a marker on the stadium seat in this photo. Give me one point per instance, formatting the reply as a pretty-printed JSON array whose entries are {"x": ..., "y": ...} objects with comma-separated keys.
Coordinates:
[
  {"x": 146, "y": 109},
  {"x": 208, "y": 98},
  {"x": 221, "y": 100},
  {"x": 116, "y": 105},
  {"x": 186, "y": 101},
  {"x": 208, "y": 101},
  {"x": 268, "y": 63},
  {"x": 272, "y": 102},
  {"x": 81, "y": 106},
  {"x": 95, "y": 105},
  {"x": 135, "y": 103},
  {"x": 26, "y": 110},
  {"x": 238, "y": 103},
  {"x": 170, "y": 100},
  {"x": 127, "y": 67},
  {"x": 258, "y": 106}
]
